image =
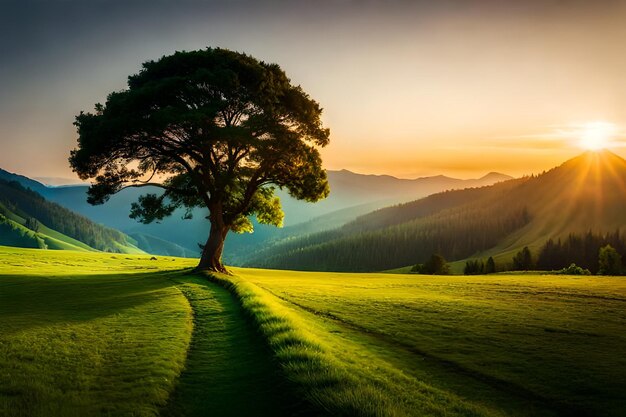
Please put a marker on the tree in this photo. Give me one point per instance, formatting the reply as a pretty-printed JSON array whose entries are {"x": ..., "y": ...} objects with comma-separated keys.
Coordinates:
[
  {"x": 490, "y": 266},
  {"x": 222, "y": 128},
  {"x": 523, "y": 260},
  {"x": 32, "y": 224},
  {"x": 435, "y": 265},
  {"x": 474, "y": 267},
  {"x": 610, "y": 262}
]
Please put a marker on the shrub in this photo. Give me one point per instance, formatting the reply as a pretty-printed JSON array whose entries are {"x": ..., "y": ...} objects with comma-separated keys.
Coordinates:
[
  {"x": 436, "y": 265},
  {"x": 573, "y": 269}
]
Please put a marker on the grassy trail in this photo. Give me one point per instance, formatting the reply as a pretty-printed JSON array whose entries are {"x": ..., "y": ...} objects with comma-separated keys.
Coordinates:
[
  {"x": 229, "y": 371},
  {"x": 85, "y": 334}
]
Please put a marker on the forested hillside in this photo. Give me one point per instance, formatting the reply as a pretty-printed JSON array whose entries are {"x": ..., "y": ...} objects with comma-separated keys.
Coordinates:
[
  {"x": 351, "y": 195},
  {"x": 587, "y": 193},
  {"x": 25, "y": 210},
  {"x": 580, "y": 249},
  {"x": 454, "y": 223}
]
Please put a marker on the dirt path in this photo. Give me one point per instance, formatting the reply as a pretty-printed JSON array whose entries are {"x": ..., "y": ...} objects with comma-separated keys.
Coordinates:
[{"x": 229, "y": 371}]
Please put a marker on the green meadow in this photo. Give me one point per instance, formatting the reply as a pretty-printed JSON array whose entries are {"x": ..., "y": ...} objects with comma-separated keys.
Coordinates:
[{"x": 90, "y": 334}]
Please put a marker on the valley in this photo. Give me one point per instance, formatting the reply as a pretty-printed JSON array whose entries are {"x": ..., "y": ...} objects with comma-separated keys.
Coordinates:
[{"x": 312, "y": 208}]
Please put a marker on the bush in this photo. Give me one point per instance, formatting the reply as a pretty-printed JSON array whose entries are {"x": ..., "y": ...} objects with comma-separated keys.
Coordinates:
[
  {"x": 436, "y": 265},
  {"x": 573, "y": 269}
]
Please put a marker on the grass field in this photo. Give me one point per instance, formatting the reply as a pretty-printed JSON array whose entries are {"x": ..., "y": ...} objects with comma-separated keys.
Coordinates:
[
  {"x": 518, "y": 345},
  {"x": 94, "y": 334},
  {"x": 86, "y": 334}
]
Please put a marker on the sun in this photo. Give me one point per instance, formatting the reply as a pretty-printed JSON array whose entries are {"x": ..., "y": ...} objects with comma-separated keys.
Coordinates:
[{"x": 594, "y": 136}]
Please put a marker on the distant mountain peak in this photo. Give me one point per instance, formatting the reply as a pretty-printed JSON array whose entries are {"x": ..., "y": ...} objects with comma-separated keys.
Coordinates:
[{"x": 498, "y": 176}]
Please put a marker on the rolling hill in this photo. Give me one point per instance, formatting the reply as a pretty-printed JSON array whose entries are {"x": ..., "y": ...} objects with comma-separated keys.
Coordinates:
[
  {"x": 351, "y": 195},
  {"x": 28, "y": 220},
  {"x": 586, "y": 193}
]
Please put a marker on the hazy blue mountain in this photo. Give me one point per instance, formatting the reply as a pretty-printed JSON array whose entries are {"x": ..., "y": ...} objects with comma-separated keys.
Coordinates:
[
  {"x": 155, "y": 245},
  {"x": 24, "y": 181},
  {"x": 351, "y": 195}
]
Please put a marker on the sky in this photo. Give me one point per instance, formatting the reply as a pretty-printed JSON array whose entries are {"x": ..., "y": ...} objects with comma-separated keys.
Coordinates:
[{"x": 409, "y": 88}]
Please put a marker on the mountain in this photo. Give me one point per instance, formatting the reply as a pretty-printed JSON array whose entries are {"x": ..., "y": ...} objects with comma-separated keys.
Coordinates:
[
  {"x": 158, "y": 246},
  {"x": 58, "y": 181},
  {"x": 351, "y": 195},
  {"x": 22, "y": 180},
  {"x": 29, "y": 220},
  {"x": 585, "y": 193}
]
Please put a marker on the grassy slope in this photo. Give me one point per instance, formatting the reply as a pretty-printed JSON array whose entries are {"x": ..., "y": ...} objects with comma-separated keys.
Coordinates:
[
  {"x": 90, "y": 334},
  {"x": 59, "y": 241},
  {"x": 525, "y": 345},
  {"x": 52, "y": 238},
  {"x": 84, "y": 334}
]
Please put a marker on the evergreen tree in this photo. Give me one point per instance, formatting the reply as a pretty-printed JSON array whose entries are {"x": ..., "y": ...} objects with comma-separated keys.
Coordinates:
[
  {"x": 523, "y": 260},
  {"x": 474, "y": 267},
  {"x": 32, "y": 224},
  {"x": 490, "y": 266}
]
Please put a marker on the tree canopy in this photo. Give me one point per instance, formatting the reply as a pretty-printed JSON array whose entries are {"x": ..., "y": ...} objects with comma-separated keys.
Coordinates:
[{"x": 212, "y": 128}]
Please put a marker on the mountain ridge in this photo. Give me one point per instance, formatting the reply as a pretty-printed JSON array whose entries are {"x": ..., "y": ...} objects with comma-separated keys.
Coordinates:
[
  {"x": 584, "y": 193},
  {"x": 350, "y": 192}
]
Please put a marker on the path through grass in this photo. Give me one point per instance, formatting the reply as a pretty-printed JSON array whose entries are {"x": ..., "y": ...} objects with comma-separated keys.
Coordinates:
[
  {"x": 229, "y": 370},
  {"x": 92, "y": 334}
]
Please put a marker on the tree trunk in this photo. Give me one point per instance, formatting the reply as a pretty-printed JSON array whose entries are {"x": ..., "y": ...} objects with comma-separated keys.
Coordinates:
[{"x": 211, "y": 259}]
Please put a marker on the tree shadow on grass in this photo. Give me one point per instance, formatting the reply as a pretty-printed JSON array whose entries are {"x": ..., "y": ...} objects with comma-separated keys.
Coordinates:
[{"x": 29, "y": 301}]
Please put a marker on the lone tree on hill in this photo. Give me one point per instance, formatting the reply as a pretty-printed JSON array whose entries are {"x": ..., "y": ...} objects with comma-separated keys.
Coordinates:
[{"x": 220, "y": 128}]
